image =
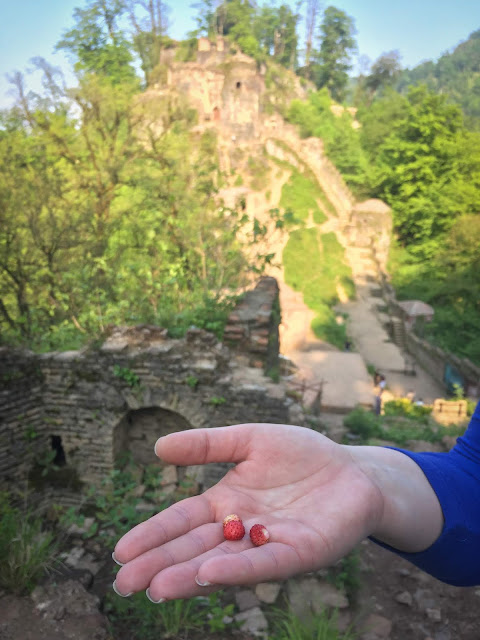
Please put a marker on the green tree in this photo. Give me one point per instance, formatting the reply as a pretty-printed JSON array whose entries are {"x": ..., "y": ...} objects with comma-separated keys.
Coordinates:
[
  {"x": 430, "y": 170},
  {"x": 311, "y": 16},
  {"x": 41, "y": 225},
  {"x": 342, "y": 142},
  {"x": 456, "y": 73},
  {"x": 237, "y": 18},
  {"x": 379, "y": 119},
  {"x": 210, "y": 18},
  {"x": 276, "y": 31},
  {"x": 96, "y": 43},
  {"x": 384, "y": 73},
  {"x": 149, "y": 19},
  {"x": 332, "y": 60},
  {"x": 108, "y": 215}
]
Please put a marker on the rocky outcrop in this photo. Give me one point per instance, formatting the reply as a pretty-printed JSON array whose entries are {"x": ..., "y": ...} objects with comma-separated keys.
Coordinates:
[{"x": 58, "y": 611}]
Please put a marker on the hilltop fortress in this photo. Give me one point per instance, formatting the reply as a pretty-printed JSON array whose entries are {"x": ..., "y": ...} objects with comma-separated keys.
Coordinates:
[{"x": 242, "y": 102}]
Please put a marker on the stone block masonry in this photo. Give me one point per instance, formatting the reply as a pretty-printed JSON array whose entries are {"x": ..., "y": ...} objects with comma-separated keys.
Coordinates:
[
  {"x": 252, "y": 327},
  {"x": 98, "y": 404}
]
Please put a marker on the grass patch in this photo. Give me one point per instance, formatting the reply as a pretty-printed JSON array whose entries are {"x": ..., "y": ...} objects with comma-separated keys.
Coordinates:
[
  {"x": 27, "y": 550},
  {"x": 259, "y": 170},
  {"x": 174, "y": 619},
  {"x": 397, "y": 428},
  {"x": 287, "y": 626},
  {"x": 314, "y": 264},
  {"x": 307, "y": 173},
  {"x": 299, "y": 195}
]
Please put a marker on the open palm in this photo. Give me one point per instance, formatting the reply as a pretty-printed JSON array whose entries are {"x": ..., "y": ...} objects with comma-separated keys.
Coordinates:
[{"x": 307, "y": 491}]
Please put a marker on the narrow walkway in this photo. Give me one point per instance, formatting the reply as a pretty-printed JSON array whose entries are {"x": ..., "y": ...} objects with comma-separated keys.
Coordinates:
[
  {"x": 346, "y": 380},
  {"x": 344, "y": 376},
  {"x": 370, "y": 338}
]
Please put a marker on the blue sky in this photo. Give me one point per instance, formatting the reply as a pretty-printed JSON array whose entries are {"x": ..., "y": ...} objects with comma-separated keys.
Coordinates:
[{"x": 419, "y": 29}]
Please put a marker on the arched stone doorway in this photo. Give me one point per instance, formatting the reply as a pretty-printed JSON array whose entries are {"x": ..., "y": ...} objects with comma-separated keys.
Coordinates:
[{"x": 139, "y": 429}]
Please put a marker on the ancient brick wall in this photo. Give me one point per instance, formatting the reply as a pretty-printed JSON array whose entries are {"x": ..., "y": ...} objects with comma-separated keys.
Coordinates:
[{"x": 87, "y": 399}]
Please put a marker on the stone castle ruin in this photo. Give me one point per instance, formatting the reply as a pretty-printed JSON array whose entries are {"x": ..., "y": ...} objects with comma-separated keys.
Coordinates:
[{"x": 233, "y": 96}]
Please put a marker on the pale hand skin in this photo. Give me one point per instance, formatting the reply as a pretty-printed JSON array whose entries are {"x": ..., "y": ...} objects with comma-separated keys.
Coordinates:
[{"x": 318, "y": 499}]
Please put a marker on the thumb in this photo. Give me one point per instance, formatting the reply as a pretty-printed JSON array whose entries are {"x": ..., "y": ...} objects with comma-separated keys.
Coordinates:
[{"x": 201, "y": 446}]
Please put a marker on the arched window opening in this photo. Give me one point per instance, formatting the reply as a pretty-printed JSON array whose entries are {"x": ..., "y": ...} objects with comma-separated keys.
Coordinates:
[{"x": 60, "y": 459}]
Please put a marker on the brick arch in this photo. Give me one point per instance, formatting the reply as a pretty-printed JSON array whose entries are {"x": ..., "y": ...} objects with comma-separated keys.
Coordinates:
[{"x": 139, "y": 429}]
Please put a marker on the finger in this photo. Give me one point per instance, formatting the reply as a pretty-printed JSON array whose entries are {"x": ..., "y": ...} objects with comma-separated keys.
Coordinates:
[
  {"x": 137, "y": 574},
  {"x": 178, "y": 581},
  {"x": 201, "y": 446},
  {"x": 167, "y": 525},
  {"x": 293, "y": 548},
  {"x": 272, "y": 561},
  {"x": 237, "y": 562}
]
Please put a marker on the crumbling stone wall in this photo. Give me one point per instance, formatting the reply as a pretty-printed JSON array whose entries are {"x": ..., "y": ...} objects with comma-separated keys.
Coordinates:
[
  {"x": 370, "y": 225},
  {"x": 225, "y": 90},
  {"x": 434, "y": 360},
  {"x": 311, "y": 152},
  {"x": 252, "y": 328},
  {"x": 85, "y": 397}
]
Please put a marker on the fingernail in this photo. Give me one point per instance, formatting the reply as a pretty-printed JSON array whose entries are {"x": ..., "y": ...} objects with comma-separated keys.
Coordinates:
[
  {"x": 120, "y": 564},
  {"x": 202, "y": 584},
  {"x": 147, "y": 593},
  {"x": 122, "y": 595}
]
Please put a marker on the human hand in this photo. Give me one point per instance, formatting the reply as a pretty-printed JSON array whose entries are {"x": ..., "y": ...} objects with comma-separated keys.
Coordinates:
[{"x": 313, "y": 498}]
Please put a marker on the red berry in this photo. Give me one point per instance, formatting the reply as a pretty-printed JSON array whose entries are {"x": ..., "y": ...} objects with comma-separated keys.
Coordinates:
[
  {"x": 233, "y": 530},
  {"x": 231, "y": 517},
  {"x": 259, "y": 535}
]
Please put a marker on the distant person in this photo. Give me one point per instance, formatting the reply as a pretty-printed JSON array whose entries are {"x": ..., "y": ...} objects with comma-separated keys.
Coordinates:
[
  {"x": 382, "y": 383},
  {"x": 347, "y": 346},
  {"x": 378, "y": 404},
  {"x": 317, "y": 499}
]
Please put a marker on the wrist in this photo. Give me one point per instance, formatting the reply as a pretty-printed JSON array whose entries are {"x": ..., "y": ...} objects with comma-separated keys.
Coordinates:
[{"x": 409, "y": 517}]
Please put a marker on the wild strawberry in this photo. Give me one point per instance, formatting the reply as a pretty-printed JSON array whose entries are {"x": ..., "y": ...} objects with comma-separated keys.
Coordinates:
[
  {"x": 233, "y": 530},
  {"x": 231, "y": 517},
  {"x": 259, "y": 535}
]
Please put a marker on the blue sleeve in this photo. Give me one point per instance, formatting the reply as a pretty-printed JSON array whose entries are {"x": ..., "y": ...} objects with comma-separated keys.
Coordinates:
[{"x": 455, "y": 477}]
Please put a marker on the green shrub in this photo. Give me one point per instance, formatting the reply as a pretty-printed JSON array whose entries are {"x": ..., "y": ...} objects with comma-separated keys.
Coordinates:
[
  {"x": 346, "y": 574},
  {"x": 403, "y": 407},
  {"x": 27, "y": 551},
  {"x": 287, "y": 626},
  {"x": 114, "y": 507},
  {"x": 127, "y": 375},
  {"x": 364, "y": 423},
  {"x": 209, "y": 313},
  {"x": 342, "y": 142},
  {"x": 149, "y": 621}
]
